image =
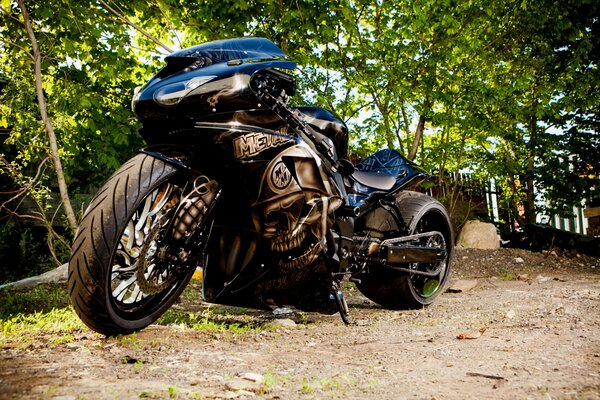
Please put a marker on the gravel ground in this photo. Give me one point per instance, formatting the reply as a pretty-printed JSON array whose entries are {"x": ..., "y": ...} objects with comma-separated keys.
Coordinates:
[{"x": 525, "y": 326}]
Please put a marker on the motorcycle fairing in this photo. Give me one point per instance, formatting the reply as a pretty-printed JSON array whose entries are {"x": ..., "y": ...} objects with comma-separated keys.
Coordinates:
[
  {"x": 293, "y": 208},
  {"x": 250, "y": 142},
  {"x": 328, "y": 124},
  {"x": 291, "y": 215},
  {"x": 239, "y": 49},
  {"x": 209, "y": 79}
]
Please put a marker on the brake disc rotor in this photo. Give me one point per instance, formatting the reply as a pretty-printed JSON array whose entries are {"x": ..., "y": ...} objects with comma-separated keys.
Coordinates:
[{"x": 152, "y": 272}]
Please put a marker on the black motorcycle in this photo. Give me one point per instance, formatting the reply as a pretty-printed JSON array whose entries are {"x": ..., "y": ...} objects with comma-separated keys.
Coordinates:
[{"x": 258, "y": 194}]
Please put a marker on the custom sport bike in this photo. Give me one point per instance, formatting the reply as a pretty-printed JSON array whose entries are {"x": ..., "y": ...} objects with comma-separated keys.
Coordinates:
[{"x": 258, "y": 194}]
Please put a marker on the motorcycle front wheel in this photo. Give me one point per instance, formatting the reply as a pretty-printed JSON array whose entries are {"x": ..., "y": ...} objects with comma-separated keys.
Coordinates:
[
  {"x": 403, "y": 290},
  {"x": 122, "y": 277}
]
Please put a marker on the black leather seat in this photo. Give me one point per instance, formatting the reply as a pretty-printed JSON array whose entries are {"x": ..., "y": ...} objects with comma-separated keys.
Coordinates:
[{"x": 374, "y": 180}]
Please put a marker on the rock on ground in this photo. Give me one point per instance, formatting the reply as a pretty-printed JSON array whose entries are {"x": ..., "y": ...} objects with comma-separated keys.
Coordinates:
[{"x": 478, "y": 235}]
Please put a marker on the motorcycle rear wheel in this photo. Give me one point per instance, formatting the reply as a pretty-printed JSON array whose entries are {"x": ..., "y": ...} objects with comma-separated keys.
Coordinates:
[
  {"x": 120, "y": 280},
  {"x": 401, "y": 290}
]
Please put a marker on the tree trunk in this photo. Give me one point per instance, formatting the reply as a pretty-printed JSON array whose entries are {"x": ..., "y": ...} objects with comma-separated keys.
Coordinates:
[
  {"x": 530, "y": 173},
  {"x": 442, "y": 166},
  {"x": 419, "y": 132},
  {"x": 37, "y": 65},
  {"x": 406, "y": 125},
  {"x": 417, "y": 139}
]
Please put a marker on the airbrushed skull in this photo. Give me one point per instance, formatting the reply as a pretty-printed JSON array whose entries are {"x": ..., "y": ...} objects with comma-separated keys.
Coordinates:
[{"x": 292, "y": 208}]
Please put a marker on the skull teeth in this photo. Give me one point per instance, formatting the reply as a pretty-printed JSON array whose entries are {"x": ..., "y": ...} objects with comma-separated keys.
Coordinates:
[
  {"x": 310, "y": 255},
  {"x": 288, "y": 242}
]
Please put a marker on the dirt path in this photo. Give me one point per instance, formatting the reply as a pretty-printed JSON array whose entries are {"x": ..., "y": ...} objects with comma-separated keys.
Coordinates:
[{"x": 541, "y": 341}]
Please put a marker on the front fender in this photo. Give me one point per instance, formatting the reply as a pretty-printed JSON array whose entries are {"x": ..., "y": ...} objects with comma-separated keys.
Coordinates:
[{"x": 177, "y": 156}]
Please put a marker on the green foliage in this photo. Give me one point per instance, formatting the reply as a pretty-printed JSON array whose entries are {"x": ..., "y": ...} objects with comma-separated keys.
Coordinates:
[
  {"x": 89, "y": 71},
  {"x": 42, "y": 298},
  {"x": 22, "y": 253},
  {"x": 504, "y": 90}
]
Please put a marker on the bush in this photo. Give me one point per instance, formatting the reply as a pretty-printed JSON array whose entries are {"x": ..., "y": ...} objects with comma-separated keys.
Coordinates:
[{"x": 23, "y": 252}]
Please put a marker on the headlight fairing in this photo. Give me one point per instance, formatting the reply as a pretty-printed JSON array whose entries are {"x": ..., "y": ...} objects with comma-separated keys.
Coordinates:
[{"x": 172, "y": 94}]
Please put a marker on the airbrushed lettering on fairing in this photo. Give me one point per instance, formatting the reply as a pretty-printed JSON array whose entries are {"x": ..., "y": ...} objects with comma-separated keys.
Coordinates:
[{"x": 251, "y": 144}]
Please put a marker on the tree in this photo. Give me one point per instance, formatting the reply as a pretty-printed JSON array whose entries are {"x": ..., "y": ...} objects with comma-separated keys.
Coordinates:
[
  {"x": 37, "y": 65},
  {"x": 506, "y": 90},
  {"x": 80, "y": 56},
  {"x": 549, "y": 53}
]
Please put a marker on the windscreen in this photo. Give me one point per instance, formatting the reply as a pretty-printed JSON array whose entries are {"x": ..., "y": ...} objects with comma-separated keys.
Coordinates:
[{"x": 231, "y": 49}]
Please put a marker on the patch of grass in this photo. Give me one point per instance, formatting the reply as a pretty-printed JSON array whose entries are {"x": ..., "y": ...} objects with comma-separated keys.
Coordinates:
[
  {"x": 332, "y": 386},
  {"x": 306, "y": 387},
  {"x": 43, "y": 298},
  {"x": 68, "y": 338},
  {"x": 23, "y": 328},
  {"x": 272, "y": 380},
  {"x": 209, "y": 321},
  {"x": 172, "y": 392},
  {"x": 131, "y": 341},
  {"x": 62, "y": 320},
  {"x": 508, "y": 277},
  {"x": 348, "y": 286},
  {"x": 373, "y": 382},
  {"x": 52, "y": 389}
]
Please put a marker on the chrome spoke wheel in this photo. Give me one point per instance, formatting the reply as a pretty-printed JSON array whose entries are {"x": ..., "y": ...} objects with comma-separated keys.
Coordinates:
[
  {"x": 140, "y": 268},
  {"x": 136, "y": 249}
]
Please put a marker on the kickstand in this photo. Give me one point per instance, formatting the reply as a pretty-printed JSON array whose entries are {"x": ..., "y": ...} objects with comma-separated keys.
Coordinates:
[{"x": 338, "y": 296}]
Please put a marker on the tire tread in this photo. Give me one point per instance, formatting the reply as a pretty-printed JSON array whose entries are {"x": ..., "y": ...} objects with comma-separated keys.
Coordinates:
[
  {"x": 98, "y": 235},
  {"x": 391, "y": 289}
]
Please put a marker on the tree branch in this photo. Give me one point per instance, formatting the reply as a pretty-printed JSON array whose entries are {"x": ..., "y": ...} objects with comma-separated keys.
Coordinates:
[
  {"x": 134, "y": 26},
  {"x": 37, "y": 66},
  {"x": 19, "y": 47},
  {"x": 171, "y": 26}
]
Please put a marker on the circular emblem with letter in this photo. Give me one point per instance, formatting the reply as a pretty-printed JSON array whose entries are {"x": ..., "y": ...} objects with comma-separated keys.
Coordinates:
[{"x": 280, "y": 176}]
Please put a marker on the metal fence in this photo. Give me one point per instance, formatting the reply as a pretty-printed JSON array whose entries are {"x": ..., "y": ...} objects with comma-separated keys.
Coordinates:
[{"x": 487, "y": 194}]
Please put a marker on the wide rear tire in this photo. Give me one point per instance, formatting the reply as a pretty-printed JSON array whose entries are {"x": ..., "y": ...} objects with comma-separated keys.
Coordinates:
[
  {"x": 401, "y": 290},
  {"x": 120, "y": 231}
]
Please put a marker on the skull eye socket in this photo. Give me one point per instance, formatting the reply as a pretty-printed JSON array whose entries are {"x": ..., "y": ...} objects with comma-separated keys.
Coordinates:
[
  {"x": 290, "y": 201},
  {"x": 276, "y": 205},
  {"x": 271, "y": 218},
  {"x": 286, "y": 216},
  {"x": 312, "y": 211}
]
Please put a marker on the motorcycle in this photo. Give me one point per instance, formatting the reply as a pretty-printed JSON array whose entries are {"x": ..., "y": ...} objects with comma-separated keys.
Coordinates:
[{"x": 258, "y": 194}]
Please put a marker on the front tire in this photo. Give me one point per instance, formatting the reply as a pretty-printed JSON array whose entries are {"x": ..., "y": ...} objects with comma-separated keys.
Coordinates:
[
  {"x": 120, "y": 280},
  {"x": 401, "y": 290}
]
